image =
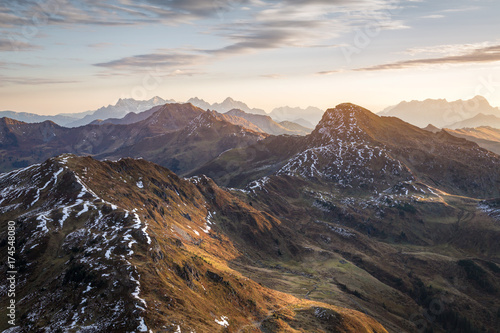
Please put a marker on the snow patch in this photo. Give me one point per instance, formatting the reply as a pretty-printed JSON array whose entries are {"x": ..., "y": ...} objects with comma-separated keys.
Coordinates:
[{"x": 223, "y": 321}]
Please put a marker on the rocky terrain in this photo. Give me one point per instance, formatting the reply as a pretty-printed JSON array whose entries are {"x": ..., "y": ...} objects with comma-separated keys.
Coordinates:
[
  {"x": 367, "y": 224},
  {"x": 153, "y": 254}
]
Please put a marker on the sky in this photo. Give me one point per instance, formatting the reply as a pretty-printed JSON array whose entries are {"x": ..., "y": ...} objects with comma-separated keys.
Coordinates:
[{"x": 64, "y": 56}]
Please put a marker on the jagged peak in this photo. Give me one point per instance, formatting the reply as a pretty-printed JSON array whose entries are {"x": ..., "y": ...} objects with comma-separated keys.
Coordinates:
[{"x": 229, "y": 100}]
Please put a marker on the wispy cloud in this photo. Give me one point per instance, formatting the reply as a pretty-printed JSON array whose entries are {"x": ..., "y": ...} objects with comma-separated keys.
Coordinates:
[
  {"x": 111, "y": 12},
  {"x": 433, "y": 16},
  {"x": 163, "y": 63},
  {"x": 449, "y": 49},
  {"x": 482, "y": 55},
  {"x": 23, "y": 80},
  {"x": 302, "y": 23},
  {"x": 327, "y": 72},
  {"x": 272, "y": 76},
  {"x": 11, "y": 44},
  {"x": 265, "y": 25},
  {"x": 100, "y": 45}
]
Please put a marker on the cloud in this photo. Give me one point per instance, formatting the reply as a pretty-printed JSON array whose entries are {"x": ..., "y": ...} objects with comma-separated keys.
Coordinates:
[
  {"x": 163, "y": 63},
  {"x": 449, "y": 49},
  {"x": 327, "y": 72},
  {"x": 258, "y": 39},
  {"x": 303, "y": 23},
  {"x": 23, "y": 80},
  {"x": 111, "y": 12},
  {"x": 258, "y": 24},
  {"x": 482, "y": 55},
  {"x": 434, "y": 16},
  {"x": 100, "y": 45},
  {"x": 272, "y": 76},
  {"x": 11, "y": 44}
]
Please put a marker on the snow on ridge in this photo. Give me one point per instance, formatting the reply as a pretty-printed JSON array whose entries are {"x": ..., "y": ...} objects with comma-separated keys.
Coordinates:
[
  {"x": 259, "y": 184},
  {"x": 14, "y": 173},
  {"x": 95, "y": 225}
]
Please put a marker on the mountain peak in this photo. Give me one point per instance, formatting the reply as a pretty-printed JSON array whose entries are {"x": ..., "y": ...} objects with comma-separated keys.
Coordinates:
[
  {"x": 157, "y": 100},
  {"x": 345, "y": 120},
  {"x": 345, "y": 113},
  {"x": 431, "y": 128}
]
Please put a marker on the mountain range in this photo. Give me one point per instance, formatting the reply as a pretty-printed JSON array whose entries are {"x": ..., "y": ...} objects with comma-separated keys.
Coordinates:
[
  {"x": 60, "y": 119},
  {"x": 129, "y": 110},
  {"x": 227, "y": 105},
  {"x": 441, "y": 113},
  {"x": 195, "y": 132},
  {"x": 307, "y": 117},
  {"x": 120, "y": 109},
  {"x": 366, "y": 224}
]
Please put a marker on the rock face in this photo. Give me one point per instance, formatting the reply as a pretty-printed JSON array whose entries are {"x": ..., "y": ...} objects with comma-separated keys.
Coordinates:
[{"x": 130, "y": 246}]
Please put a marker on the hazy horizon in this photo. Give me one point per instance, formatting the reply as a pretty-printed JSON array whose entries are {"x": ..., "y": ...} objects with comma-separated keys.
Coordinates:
[{"x": 66, "y": 57}]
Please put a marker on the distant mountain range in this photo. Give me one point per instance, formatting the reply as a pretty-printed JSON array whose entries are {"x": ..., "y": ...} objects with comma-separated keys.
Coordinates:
[
  {"x": 485, "y": 136},
  {"x": 478, "y": 121},
  {"x": 128, "y": 111},
  {"x": 308, "y": 117},
  {"x": 120, "y": 109},
  {"x": 60, "y": 119},
  {"x": 442, "y": 113},
  {"x": 475, "y": 112},
  {"x": 227, "y": 105}
]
